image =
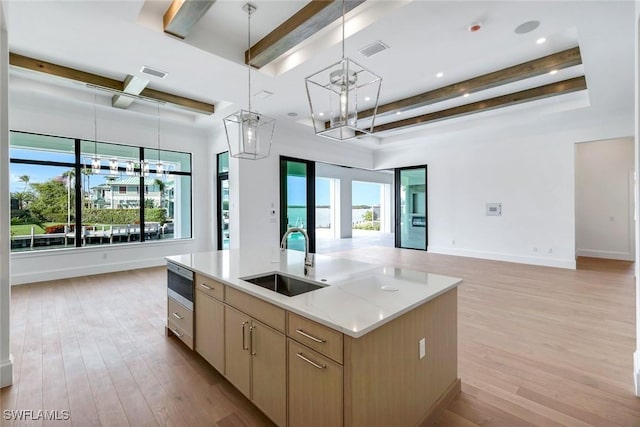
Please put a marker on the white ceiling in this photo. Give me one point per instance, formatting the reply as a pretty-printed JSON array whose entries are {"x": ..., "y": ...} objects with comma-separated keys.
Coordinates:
[{"x": 116, "y": 38}]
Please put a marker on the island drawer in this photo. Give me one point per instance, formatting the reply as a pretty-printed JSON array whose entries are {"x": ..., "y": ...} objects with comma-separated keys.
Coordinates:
[
  {"x": 180, "y": 316},
  {"x": 316, "y": 336},
  {"x": 180, "y": 333},
  {"x": 256, "y": 308},
  {"x": 210, "y": 287}
]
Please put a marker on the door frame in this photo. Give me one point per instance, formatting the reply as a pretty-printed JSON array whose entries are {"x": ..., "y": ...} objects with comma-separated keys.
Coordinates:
[
  {"x": 220, "y": 176},
  {"x": 398, "y": 219},
  {"x": 311, "y": 198}
]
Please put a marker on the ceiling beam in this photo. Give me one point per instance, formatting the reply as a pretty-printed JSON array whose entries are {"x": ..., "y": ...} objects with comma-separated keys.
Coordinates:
[
  {"x": 541, "y": 92},
  {"x": 556, "y": 61},
  {"x": 107, "y": 83},
  {"x": 313, "y": 17},
  {"x": 182, "y": 15},
  {"x": 132, "y": 85}
]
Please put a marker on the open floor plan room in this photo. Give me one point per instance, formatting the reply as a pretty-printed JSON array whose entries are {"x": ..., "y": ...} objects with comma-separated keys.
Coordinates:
[{"x": 538, "y": 346}]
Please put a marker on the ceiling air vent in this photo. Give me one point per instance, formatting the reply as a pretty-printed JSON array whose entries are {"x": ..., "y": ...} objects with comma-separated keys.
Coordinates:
[
  {"x": 153, "y": 72},
  {"x": 373, "y": 49}
]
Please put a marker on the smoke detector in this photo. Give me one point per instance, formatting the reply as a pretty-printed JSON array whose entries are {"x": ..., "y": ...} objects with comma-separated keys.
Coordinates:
[{"x": 474, "y": 27}]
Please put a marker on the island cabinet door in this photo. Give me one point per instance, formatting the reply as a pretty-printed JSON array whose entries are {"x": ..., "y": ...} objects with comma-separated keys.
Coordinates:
[
  {"x": 315, "y": 388},
  {"x": 269, "y": 372},
  {"x": 237, "y": 356},
  {"x": 210, "y": 330}
]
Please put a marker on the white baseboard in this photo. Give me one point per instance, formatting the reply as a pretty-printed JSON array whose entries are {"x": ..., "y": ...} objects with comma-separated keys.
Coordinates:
[
  {"x": 496, "y": 256},
  {"x": 78, "y": 271},
  {"x": 6, "y": 372},
  {"x": 636, "y": 372},
  {"x": 622, "y": 256}
]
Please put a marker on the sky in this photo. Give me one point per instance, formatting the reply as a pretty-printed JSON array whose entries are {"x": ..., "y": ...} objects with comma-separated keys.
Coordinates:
[{"x": 363, "y": 193}]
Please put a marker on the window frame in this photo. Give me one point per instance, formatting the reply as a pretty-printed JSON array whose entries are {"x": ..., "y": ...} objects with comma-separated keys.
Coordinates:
[{"x": 78, "y": 165}]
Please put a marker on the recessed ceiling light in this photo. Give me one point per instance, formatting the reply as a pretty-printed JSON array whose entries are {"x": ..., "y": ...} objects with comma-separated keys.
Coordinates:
[
  {"x": 552, "y": 72},
  {"x": 321, "y": 114},
  {"x": 440, "y": 74},
  {"x": 541, "y": 40},
  {"x": 292, "y": 114},
  {"x": 367, "y": 98},
  {"x": 474, "y": 27},
  {"x": 465, "y": 95},
  {"x": 527, "y": 27},
  {"x": 398, "y": 113}
]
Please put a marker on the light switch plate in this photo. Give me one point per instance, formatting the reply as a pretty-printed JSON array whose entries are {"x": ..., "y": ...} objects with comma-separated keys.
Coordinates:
[
  {"x": 423, "y": 348},
  {"x": 494, "y": 209}
]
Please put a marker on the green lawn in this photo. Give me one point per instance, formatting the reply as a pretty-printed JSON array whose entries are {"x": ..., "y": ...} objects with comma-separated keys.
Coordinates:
[{"x": 25, "y": 229}]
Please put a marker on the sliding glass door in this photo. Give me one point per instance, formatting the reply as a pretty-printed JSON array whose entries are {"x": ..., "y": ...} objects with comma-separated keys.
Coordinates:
[
  {"x": 297, "y": 201},
  {"x": 411, "y": 207}
]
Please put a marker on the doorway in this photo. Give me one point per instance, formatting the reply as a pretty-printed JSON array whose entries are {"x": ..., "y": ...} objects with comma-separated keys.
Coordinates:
[
  {"x": 411, "y": 207},
  {"x": 298, "y": 201},
  {"x": 604, "y": 199}
]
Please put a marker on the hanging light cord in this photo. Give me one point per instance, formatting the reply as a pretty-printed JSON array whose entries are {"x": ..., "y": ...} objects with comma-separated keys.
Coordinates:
[
  {"x": 343, "y": 12},
  {"x": 249, "y": 10},
  {"x": 95, "y": 124},
  {"x": 158, "y": 132}
]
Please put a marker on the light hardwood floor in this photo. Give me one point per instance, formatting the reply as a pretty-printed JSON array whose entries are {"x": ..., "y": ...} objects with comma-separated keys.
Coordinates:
[{"x": 537, "y": 347}]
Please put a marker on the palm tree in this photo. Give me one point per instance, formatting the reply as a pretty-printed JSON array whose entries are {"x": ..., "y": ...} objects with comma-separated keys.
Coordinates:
[
  {"x": 161, "y": 186},
  {"x": 68, "y": 176},
  {"x": 25, "y": 179}
]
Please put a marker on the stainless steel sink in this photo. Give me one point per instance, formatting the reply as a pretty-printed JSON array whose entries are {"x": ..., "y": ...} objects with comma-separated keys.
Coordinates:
[{"x": 285, "y": 285}]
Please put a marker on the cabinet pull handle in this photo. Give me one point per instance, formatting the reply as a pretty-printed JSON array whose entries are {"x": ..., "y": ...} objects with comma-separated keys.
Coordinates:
[
  {"x": 303, "y": 357},
  {"x": 251, "y": 328},
  {"x": 209, "y": 288},
  {"x": 304, "y": 334},
  {"x": 178, "y": 334},
  {"x": 177, "y": 316},
  {"x": 244, "y": 344}
]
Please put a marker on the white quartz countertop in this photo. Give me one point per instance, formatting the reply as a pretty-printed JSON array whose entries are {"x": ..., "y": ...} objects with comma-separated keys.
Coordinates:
[{"x": 357, "y": 298}]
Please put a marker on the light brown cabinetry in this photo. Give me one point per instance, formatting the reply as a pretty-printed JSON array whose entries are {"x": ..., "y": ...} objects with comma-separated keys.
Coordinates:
[
  {"x": 315, "y": 388},
  {"x": 209, "y": 286},
  {"x": 315, "y": 375},
  {"x": 209, "y": 329},
  {"x": 180, "y": 321},
  {"x": 256, "y": 362}
]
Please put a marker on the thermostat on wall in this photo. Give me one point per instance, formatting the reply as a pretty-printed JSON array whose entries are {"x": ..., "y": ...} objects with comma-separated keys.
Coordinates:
[{"x": 494, "y": 209}]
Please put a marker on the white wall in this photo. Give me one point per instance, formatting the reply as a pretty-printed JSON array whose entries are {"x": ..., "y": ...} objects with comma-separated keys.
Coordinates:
[
  {"x": 531, "y": 175},
  {"x": 604, "y": 199},
  {"x": 6, "y": 360},
  {"x": 41, "y": 111}
]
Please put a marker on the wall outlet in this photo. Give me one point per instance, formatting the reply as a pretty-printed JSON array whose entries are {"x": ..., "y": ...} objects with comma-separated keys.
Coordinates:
[
  {"x": 550, "y": 250},
  {"x": 453, "y": 242},
  {"x": 422, "y": 344},
  {"x": 535, "y": 249}
]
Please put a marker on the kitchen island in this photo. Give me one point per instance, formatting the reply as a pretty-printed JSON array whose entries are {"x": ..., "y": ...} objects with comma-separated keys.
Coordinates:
[{"x": 374, "y": 345}]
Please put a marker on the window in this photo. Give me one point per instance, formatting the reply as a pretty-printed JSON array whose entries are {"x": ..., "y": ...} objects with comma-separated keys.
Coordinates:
[{"x": 57, "y": 201}]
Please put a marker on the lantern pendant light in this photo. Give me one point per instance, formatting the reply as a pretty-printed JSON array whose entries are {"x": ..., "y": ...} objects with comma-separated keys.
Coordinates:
[
  {"x": 335, "y": 94},
  {"x": 249, "y": 134},
  {"x": 96, "y": 162}
]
